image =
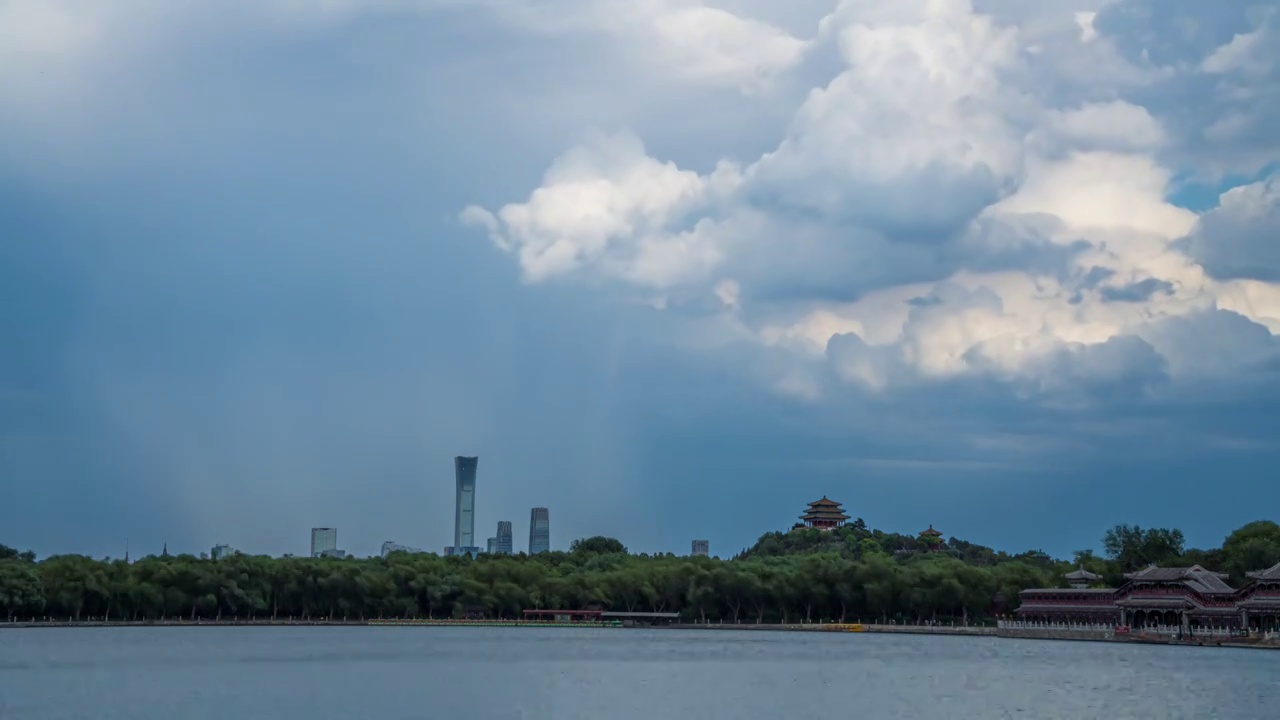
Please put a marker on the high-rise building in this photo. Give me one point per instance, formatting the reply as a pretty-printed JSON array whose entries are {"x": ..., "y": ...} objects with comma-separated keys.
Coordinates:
[
  {"x": 464, "y": 519},
  {"x": 323, "y": 540},
  {"x": 504, "y": 537},
  {"x": 491, "y": 546},
  {"x": 222, "y": 551},
  {"x": 539, "y": 531},
  {"x": 701, "y": 548}
]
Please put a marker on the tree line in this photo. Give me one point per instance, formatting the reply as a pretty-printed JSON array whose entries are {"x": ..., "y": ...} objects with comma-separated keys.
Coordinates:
[{"x": 846, "y": 575}]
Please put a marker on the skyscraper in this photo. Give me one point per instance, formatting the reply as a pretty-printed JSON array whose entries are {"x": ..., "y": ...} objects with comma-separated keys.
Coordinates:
[
  {"x": 539, "y": 531},
  {"x": 323, "y": 540},
  {"x": 701, "y": 548},
  {"x": 491, "y": 546},
  {"x": 504, "y": 537},
  {"x": 464, "y": 519}
]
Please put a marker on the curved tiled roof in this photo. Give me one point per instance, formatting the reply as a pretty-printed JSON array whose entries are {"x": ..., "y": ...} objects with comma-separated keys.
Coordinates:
[
  {"x": 1082, "y": 574},
  {"x": 1271, "y": 573},
  {"x": 1195, "y": 577}
]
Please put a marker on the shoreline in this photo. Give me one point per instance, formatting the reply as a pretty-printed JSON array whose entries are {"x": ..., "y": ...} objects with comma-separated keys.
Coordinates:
[{"x": 848, "y": 628}]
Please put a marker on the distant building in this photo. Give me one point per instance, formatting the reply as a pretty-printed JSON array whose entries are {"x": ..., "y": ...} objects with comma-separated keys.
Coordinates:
[
  {"x": 491, "y": 545},
  {"x": 823, "y": 514},
  {"x": 391, "y": 546},
  {"x": 452, "y": 551},
  {"x": 932, "y": 540},
  {"x": 1080, "y": 578},
  {"x": 323, "y": 540},
  {"x": 464, "y": 520},
  {"x": 334, "y": 553},
  {"x": 222, "y": 551},
  {"x": 504, "y": 537},
  {"x": 701, "y": 548},
  {"x": 539, "y": 531}
]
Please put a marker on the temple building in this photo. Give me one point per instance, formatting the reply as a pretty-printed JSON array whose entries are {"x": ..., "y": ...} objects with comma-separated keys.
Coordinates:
[
  {"x": 1080, "y": 578},
  {"x": 1187, "y": 598},
  {"x": 1260, "y": 600},
  {"x": 1184, "y": 597},
  {"x": 932, "y": 540},
  {"x": 823, "y": 514}
]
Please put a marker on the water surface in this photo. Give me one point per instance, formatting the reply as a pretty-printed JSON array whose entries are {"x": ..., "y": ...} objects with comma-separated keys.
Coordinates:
[{"x": 393, "y": 673}]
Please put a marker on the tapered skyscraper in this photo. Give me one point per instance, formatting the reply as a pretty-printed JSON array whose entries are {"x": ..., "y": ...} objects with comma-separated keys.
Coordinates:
[
  {"x": 464, "y": 520},
  {"x": 539, "y": 531}
]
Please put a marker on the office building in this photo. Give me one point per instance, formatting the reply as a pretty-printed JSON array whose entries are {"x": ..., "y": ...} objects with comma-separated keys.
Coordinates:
[
  {"x": 504, "y": 537},
  {"x": 701, "y": 548},
  {"x": 464, "y": 520},
  {"x": 452, "y": 551},
  {"x": 323, "y": 540},
  {"x": 392, "y": 546},
  {"x": 491, "y": 546},
  {"x": 539, "y": 531},
  {"x": 335, "y": 554},
  {"x": 222, "y": 551}
]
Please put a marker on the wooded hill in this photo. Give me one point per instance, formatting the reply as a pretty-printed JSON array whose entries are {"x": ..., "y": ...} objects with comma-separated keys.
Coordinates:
[{"x": 847, "y": 574}]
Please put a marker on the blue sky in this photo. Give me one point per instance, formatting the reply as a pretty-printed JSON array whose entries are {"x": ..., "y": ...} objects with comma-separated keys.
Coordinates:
[{"x": 670, "y": 268}]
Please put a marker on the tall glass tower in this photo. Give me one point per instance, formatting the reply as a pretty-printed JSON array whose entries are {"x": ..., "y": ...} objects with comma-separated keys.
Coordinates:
[
  {"x": 504, "y": 537},
  {"x": 539, "y": 531},
  {"x": 464, "y": 519},
  {"x": 323, "y": 540}
]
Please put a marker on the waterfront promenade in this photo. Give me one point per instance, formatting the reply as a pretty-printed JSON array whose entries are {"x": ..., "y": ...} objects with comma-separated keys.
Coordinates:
[{"x": 1011, "y": 630}]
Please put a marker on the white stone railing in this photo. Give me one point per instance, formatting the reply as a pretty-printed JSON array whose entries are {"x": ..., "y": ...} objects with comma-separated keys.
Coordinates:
[
  {"x": 1170, "y": 630},
  {"x": 1081, "y": 627}
]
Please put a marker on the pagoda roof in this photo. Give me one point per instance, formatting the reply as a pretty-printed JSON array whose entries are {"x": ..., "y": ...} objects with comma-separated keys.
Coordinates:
[
  {"x": 824, "y": 502},
  {"x": 1195, "y": 577},
  {"x": 834, "y": 514},
  {"x": 1082, "y": 574},
  {"x": 931, "y": 532},
  {"x": 1271, "y": 573}
]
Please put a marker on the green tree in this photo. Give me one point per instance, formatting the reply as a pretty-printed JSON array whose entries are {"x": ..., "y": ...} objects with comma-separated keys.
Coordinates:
[
  {"x": 597, "y": 545},
  {"x": 20, "y": 589},
  {"x": 1134, "y": 548}
]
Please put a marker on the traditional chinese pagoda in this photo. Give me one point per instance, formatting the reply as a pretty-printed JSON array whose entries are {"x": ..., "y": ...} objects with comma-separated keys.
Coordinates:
[
  {"x": 932, "y": 540},
  {"x": 1081, "y": 578},
  {"x": 823, "y": 514}
]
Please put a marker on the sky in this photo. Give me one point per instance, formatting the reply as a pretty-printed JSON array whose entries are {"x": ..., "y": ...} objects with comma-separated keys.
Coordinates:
[{"x": 671, "y": 268}]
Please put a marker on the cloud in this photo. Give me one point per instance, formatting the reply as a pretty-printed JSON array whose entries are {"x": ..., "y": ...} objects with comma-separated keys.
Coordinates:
[
  {"x": 931, "y": 213},
  {"x": 1241, "y": 237},
  {"x": 609, "y": 206}
]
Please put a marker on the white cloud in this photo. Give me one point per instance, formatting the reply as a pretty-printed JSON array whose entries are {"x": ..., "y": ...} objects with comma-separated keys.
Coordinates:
[
  {"x": 608, "y": 206},
  {"x": 1117, "y": 125},
  {"x": 935, "y": 152},
  {"x": 1241, "y": 237},
  {"x": 1251, "y": 53},
  {"x": 919, "y": 109}
]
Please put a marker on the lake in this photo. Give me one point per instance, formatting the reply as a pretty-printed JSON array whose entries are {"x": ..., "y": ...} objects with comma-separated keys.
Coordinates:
[{"x": 390, "y": 673}]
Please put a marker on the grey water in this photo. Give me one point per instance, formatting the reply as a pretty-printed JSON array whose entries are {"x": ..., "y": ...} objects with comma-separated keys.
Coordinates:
[{"x": 393, "y": 673}]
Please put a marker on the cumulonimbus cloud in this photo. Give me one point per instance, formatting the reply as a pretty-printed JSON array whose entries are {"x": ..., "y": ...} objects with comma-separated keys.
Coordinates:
[{"x": 974, "y": 222}]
